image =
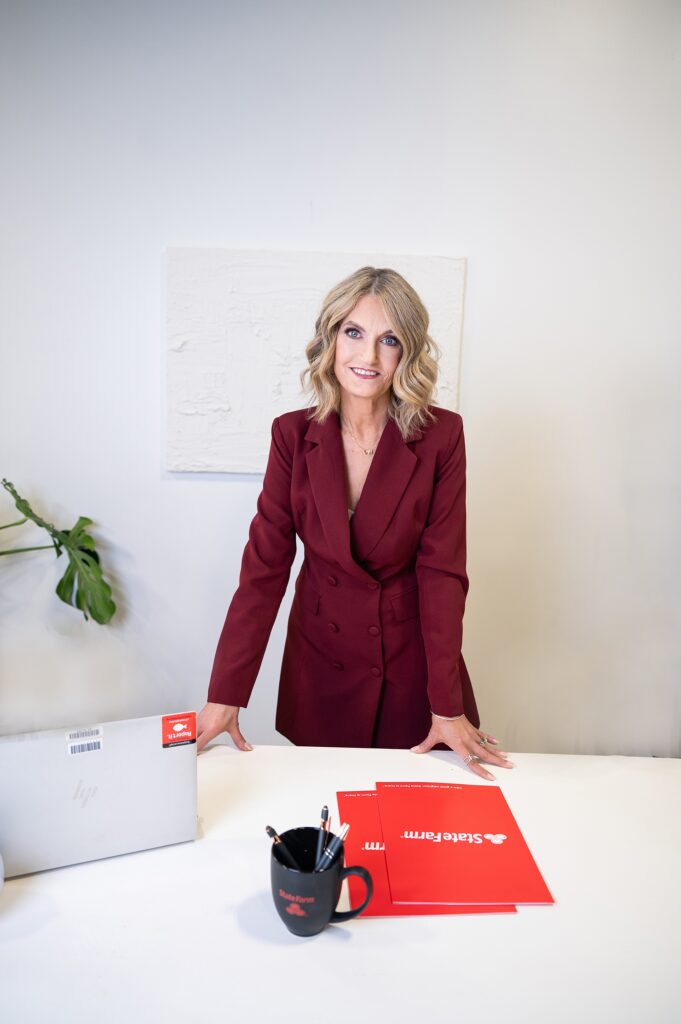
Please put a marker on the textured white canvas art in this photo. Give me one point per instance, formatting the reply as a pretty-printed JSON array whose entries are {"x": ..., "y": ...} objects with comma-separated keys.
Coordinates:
[{"x": 237, "y": 323}]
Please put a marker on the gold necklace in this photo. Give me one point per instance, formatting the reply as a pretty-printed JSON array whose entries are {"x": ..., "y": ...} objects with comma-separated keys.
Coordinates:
[{"x": 367, "y": 451}]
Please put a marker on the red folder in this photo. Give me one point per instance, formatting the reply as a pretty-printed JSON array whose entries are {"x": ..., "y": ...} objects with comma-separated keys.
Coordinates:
[
  {"x": 364, "y": 845},
  {"x": 451, "y": 844}
]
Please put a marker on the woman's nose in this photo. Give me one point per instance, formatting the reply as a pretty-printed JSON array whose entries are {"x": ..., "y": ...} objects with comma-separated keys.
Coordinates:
[{"x": 370, "y": 351}]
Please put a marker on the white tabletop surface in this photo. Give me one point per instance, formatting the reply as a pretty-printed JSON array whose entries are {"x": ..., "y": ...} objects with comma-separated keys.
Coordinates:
[{"x": 190, "y": 931}]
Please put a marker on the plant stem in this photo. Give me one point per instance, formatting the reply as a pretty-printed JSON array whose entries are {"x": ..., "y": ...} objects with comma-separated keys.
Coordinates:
[
  {"x": 16, "y": 551},
  {"x": 18, "y": 523}
]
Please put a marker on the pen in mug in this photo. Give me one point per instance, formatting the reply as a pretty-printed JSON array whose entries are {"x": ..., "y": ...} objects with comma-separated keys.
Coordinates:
[
  {"x": 283, "y": 848},
  {"x": 329, "y": 853},
  {"x": 321, "y": 837}
]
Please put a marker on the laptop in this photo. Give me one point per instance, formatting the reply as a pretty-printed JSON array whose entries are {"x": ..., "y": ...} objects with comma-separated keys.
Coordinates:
[{"x": 73, "y": 795}]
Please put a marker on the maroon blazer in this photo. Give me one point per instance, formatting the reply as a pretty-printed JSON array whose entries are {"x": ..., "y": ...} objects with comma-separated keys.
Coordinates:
[{"x": 375, "y": 628}]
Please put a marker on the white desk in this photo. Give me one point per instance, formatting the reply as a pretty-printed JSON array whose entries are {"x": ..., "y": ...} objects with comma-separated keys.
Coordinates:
[{"x": 190, "y": 931}]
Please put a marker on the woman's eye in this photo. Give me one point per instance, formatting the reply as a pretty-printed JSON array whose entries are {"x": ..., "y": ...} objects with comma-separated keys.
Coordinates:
[{"x": 389, "y": 340}]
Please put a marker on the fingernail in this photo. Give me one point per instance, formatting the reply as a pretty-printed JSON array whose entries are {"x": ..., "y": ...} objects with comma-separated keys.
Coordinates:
[
  {"x": 510, "y": 764},
  {"x": 249, "y": 747}
]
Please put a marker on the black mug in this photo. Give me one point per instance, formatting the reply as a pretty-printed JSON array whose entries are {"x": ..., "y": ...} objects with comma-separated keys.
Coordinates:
[{"x": 306, "y": 899}]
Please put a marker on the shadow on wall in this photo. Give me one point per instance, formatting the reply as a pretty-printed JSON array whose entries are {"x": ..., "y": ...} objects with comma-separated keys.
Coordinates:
[{"x": 543, "y": 631}]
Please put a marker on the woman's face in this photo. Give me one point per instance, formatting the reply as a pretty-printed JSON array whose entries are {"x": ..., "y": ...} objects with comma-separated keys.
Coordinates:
[{"x": 367, "y": 350}]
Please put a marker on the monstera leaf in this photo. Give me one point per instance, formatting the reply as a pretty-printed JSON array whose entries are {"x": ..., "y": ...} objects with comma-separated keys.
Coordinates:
[{"x": 83, "y": 585}]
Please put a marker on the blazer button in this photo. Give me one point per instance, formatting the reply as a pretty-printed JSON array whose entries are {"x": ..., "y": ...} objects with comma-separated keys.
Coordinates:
[
  {"x": 374, "y": 630},
  {"x": 332, "y": 580},
  {"x": 333, "y": 627},
  {"x": 375, "y": 671},
  {"x": 338, "y": 665}
]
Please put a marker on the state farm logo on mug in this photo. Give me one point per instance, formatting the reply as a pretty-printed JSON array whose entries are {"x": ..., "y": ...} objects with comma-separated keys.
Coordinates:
[
  {"x": 294, "y": 902},
  {"x": 296, "y": 910},
  {"x": 457, "y": 837}
]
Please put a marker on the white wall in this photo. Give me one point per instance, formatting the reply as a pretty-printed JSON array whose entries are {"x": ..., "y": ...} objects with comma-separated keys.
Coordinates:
[{"x": 539, "y": 140}]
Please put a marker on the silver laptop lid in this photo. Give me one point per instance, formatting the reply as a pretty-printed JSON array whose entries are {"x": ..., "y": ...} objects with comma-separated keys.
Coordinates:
[{"x": 72, "y": 795}]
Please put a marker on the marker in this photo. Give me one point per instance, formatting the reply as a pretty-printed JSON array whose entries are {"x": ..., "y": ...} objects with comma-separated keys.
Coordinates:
[
  {"x": 321, "y": 837},
  {"x": 329, "y": 853},
  {"x": 283, "y": 848}
]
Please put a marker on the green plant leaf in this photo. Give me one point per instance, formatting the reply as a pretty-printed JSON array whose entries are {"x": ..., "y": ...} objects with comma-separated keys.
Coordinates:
[
  {"x": 65, "y": 585},
  {"x": 83, "y": 585}
]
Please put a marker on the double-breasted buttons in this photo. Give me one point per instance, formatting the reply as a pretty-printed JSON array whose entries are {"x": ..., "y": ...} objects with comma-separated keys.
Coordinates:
[{"x": 373, "y": 630}]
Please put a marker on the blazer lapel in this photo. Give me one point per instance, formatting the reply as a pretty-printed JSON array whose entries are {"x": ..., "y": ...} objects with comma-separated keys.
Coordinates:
[{"x": 387, "y": 479}]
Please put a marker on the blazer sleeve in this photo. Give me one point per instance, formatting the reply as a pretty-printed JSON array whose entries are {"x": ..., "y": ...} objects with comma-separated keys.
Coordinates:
[
  {"x": 265, "y": 569},
  {"x": 442, "y": 579}
]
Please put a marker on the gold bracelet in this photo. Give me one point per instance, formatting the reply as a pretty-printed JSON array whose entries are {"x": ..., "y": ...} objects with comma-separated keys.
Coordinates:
[{"x": 445, "y": 718}]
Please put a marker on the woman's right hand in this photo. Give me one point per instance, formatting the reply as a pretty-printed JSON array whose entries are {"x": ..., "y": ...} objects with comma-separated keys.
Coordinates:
[{"x": 216, "y": 718}]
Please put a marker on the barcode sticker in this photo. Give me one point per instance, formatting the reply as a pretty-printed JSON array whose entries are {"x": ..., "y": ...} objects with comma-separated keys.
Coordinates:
[
  {"x": 85, "y": 740},
  {"x": 83, "y": 748},
  {"x": 84, "y": 734}
]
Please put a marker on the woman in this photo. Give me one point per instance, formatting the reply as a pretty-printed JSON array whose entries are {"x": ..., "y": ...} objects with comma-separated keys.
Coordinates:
[{"x": 372, "y": 479}]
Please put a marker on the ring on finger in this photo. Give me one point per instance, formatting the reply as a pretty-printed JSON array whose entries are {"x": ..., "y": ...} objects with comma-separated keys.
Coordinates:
[
  {"x": 468, "y": 758},
  {"x": 482, "y": 740}
]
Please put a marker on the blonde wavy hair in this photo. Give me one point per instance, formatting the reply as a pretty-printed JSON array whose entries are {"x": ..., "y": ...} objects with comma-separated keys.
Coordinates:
[{"x": 415, "y": 378}]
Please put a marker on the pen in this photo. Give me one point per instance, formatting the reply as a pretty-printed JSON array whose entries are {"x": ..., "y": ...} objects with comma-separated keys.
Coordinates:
[
  {"x": 283, "y": 848},
  {"x": 329, "y": 853},
  {"x": 321, "y": 837}
]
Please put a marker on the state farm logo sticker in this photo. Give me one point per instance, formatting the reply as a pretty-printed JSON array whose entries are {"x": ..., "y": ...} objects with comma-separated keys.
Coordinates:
[{"x": 178, "y": 730}]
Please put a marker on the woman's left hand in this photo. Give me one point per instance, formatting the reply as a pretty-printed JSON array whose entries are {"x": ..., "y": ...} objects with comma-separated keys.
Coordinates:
[{"x": 464, "y": 739}]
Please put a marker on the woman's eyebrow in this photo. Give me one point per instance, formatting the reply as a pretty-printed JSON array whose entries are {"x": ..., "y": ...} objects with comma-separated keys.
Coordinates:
[{"x": 351, "y": 323}]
